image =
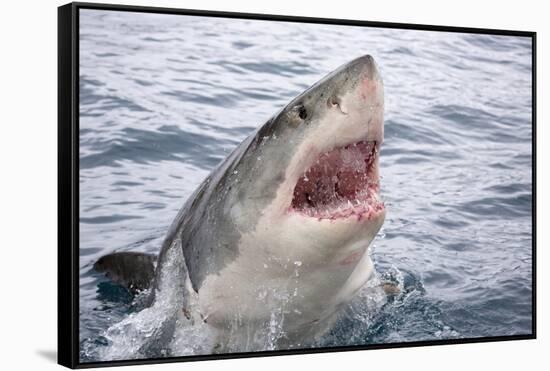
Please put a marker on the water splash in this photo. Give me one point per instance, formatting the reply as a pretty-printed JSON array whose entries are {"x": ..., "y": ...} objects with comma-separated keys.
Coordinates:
[{"x": 149, "y": 332}]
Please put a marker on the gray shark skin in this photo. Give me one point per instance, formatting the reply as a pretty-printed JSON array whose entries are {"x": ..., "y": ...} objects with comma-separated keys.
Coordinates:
[{"x": 283, "y": 224}]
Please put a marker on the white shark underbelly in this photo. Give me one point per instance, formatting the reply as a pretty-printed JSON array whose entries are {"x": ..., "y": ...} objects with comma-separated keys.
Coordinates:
[{"x": 298, "y": 279}]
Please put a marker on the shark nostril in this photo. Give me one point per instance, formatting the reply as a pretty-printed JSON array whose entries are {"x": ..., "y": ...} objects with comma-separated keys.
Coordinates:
[
  {"x": 336, "y": 102},
  {"x": 333, "y": 101}
]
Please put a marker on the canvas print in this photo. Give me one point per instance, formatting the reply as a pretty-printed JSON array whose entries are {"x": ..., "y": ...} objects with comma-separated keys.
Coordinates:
[{"x": 253, "y": 185}]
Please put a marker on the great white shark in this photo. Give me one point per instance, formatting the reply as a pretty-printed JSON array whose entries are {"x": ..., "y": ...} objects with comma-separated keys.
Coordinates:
[{"x": 283, "y": 225}]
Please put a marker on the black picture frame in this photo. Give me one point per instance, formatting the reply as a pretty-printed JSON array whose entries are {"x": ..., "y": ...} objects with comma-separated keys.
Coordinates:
[{"x": 68, "y": 180}]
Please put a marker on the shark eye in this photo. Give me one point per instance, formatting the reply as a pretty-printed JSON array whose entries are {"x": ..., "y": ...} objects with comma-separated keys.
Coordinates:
[{"x": 302, "y": 112}]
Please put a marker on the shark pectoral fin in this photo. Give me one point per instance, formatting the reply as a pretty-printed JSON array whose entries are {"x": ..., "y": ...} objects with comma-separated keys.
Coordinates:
[{"x": 132, "y": 270}]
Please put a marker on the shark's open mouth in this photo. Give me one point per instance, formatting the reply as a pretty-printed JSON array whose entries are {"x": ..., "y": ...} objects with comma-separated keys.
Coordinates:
[{"x": 342, "y": 183}]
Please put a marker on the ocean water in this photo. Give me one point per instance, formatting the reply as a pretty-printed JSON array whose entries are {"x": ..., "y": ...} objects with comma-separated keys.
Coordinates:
[{"x": 165, "y": 98}]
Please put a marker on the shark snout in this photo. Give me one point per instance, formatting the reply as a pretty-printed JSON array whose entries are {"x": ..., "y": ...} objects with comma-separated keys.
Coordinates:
[
  {"x": 370, "y": 83},
  {"x": 368, "y": 67}
]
